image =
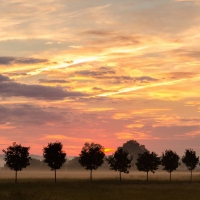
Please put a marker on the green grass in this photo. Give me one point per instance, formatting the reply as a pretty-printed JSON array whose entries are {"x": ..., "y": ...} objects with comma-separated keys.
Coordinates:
[{"x": 77, "y": 189}]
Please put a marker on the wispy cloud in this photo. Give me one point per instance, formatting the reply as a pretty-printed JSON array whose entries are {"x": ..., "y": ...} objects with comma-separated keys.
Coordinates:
[
  {"x": 18, "y": 60},
  {"x": 149, "y": 86},
  {"x": 9, "y": 88}
]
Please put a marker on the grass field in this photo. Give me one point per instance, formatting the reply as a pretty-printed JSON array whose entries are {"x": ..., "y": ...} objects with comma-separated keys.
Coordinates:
[{"x": 78, "y": 187}]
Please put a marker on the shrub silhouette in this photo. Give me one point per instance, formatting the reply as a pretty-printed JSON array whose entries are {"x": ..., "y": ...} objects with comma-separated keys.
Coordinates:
[
  {"x": 170, "y": 161},
  {"x": 120, "y": 161},
  {"x": 17, "y": 157},
  {"x": 134, "y": 148},
  {"x": 54, "y": 156},
  {"x": 91, "y": 157},
  {"x": 148, "y": 162},
  {"x": 190, "y": 160}
]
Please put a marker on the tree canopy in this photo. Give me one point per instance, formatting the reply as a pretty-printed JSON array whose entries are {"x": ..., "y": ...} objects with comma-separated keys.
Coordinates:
[
  {"x": 148, "y": 162},
  {"x": 54, "y": 156},
  {"x": 170, "y": 161},
  {"x": 134, "y": 148},
  {"x": 91, "y": 156},
  {"x": 190, "y": 160},
  {"x": 120, "y": 161},
  {"x": 17, "y": 157}
]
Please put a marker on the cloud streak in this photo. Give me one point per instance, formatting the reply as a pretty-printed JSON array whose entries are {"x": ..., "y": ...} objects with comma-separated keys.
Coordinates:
[
  {"x": 20, "y": 60},
  {"x": 125, "y": 90}
]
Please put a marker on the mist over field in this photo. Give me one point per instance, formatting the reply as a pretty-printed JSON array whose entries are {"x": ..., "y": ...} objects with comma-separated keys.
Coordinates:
[
  {"x": 2, "y": 162},
  {"x": 182, "y": 175}
]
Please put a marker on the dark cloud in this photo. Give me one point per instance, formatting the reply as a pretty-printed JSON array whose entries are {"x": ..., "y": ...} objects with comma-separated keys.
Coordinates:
[
  {"x": 52, "y": 81},
  {"x": 96, "y": 88},
  {"x": 4, "y": 78},
  {"x": 16, "y": 74},
  {"x": 145, "y": 79},
  {"x": 101, "y": 90},
  {"x": 94, "y": 73},
  {"x": 109, "y": 75},
  {"x": 142, "y": 79},
  {"x": 10, "y": 88},
  {"x": 98, "y": 32},
  {"x": 20, "y": 60},
  {"x": 105, "y": 68}
]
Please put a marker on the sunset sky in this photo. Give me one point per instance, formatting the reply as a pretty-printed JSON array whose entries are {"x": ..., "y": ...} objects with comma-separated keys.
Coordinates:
[{"x": 104, "y": 71}]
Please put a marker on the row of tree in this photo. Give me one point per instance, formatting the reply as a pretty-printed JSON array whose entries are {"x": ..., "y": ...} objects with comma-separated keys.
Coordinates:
[{"x": 92, "y": 156}]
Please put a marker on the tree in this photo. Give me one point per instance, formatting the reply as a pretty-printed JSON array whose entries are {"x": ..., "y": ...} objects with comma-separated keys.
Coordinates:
[
  {"x": 91, "y": 157},
  {"x": 170, "y": 161},
  {"x": 17, "y": 157},
  {"x": 148, "y": 162},
  {"x": 190, "y": 160},
  {"x": 120, "y": 161},
  {"x": 134, "y": 148},
  {"x": 54, "y": 156}
]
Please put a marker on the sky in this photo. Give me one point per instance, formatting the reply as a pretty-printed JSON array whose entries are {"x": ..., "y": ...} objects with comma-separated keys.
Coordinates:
[{"x": 103, "y": 71}]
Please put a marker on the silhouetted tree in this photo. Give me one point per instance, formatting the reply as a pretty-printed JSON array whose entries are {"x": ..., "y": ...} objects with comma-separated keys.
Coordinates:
[
  {"x": 134, "y": 148},
  {"x": 148, "y": 162},
  {"x": 91, "y": 157},
  {"x": 190, "y": 160},
  {"x": 170, "y": 161},
  {"x": 54, "y": 156},
  {"x": 120, "y": 161},
  {"x": 17, "y": 157}
]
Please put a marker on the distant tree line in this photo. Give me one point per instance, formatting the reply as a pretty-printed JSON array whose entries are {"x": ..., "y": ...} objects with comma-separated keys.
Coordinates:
[{"x": 92, "y": 156}]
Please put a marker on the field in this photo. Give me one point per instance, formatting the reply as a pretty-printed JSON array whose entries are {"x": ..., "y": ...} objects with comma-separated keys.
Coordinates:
[{"x": 105, "y": 185}]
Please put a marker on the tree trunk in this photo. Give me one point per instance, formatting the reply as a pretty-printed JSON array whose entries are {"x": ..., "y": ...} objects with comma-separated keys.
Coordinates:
[
  {"x": 15, "y": 176},
  {"x": 191, "y": 176},
  {"x": 91, "y": 175},
  {"x": 147, "y": 175},
  {"x": 55, "y": 174},
  {"x": 170, "y": 177},
  {"x": 120, "y": 176}
]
